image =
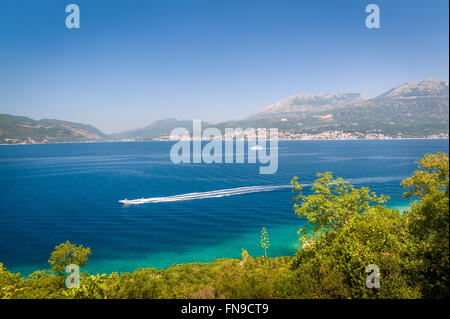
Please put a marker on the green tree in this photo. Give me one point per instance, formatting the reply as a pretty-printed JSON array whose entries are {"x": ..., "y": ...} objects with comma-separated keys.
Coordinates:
[
  {"x": 347, "y": 229},
  {"x": 331, "y": 204},
  {"x": 66, "y": 254},
  {"x": 429, "y": 224}
]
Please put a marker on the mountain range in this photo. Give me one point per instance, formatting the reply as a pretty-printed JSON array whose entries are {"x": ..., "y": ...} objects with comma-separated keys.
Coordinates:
[
  {"x": 414, "y": 109},
  {"x": 157, "y": 128},
  {"x": 21, "y": 129}
]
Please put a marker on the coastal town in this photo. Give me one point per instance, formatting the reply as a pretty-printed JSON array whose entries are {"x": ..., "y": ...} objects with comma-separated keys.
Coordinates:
[
  {"x": 327, "y": 135},
  {"x": 282, "y": 136}
]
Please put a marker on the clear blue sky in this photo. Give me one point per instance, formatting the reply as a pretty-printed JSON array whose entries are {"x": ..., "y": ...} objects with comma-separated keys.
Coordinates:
[{"x": 133, "y": 62}]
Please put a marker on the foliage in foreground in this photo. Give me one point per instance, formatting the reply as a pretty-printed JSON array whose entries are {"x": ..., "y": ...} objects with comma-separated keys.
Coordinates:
[
  {"x": 428, "y": 224},
  {"x": 347, "y": 229},
  {"x": 223, "y": 278}
]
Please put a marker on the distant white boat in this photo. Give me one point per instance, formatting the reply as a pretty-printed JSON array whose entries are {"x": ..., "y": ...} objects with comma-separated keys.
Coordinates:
[{"x": 256, "y": 147}]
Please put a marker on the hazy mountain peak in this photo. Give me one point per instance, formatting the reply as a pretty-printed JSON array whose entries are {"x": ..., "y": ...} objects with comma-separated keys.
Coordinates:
[
  {"x": 430, "y": 87},
  {"x": 306, "y": 102},
  {"x": 156, "y": 129},
  {"x": 434, "y": 80}
]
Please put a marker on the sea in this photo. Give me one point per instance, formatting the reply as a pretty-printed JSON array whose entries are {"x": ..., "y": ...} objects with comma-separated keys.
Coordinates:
[{"x": 51, "y": 193}]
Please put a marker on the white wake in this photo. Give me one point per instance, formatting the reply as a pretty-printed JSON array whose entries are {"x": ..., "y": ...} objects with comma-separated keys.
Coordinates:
[
  {"x": 203, "y": 195},
  {"x": 241, "y": 191}
]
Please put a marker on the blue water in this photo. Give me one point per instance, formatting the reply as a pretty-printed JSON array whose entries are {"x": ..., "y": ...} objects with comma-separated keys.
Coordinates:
[{"x": 53, "y": 193}]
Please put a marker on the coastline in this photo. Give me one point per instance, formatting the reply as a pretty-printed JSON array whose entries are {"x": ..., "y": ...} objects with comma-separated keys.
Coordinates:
[{"x": 155, "y": 140}]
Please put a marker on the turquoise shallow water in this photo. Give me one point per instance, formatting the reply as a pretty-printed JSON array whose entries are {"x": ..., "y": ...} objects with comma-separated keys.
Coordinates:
[{"x": 53, "y": 193}]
